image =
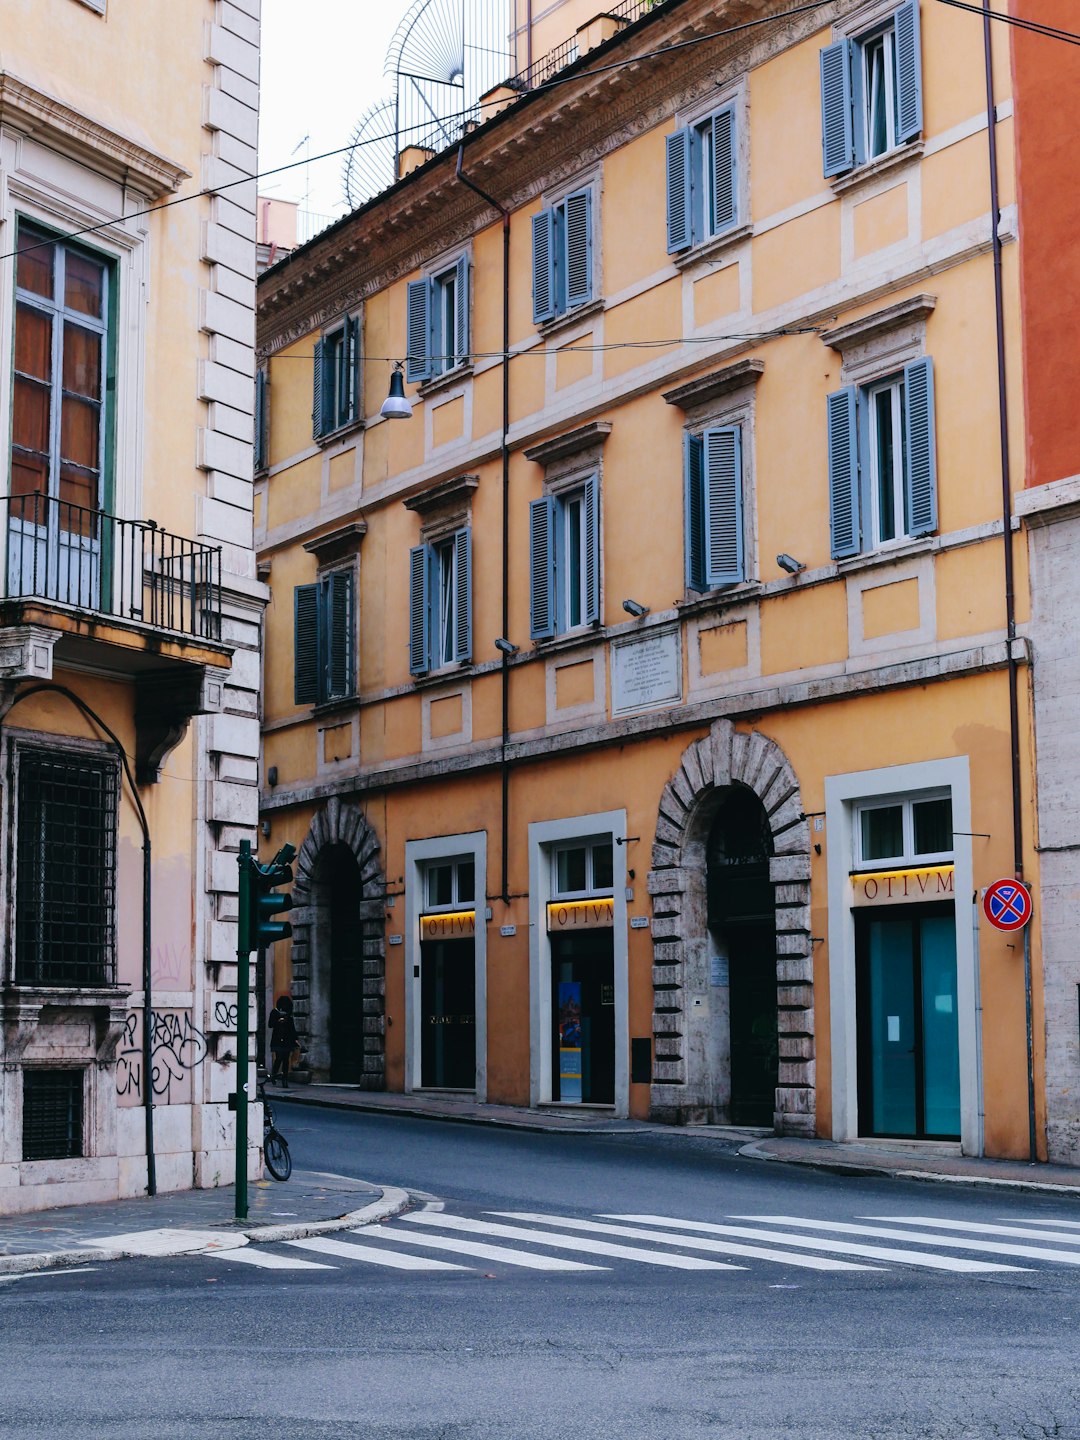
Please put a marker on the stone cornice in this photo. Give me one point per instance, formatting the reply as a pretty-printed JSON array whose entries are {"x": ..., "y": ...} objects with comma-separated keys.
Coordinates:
[
  {"x": 455, "y": 491},
  {"x": 339, "y": 544},
  {"x": 585, "y": 437},
  {"x": 881, "y": 322},
  {"x": 717, "y": 383},
  {"x": 35, "y": 113}
]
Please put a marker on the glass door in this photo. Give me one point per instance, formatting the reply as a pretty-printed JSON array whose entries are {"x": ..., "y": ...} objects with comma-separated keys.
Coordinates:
[{"x": 448, "y": 1006}]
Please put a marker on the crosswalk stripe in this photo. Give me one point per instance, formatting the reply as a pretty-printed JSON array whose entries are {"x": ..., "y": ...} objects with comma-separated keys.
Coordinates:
[
  {"x": 688, "y": 1242},
  {"x": 488, "y": 1252},
  {"x": 567, "y": 1242},
  {"x": 1045, "y": 1220},
  {"x": 372, "y": 1254},
  {"x": 267, "y": 1260},
  {"x": 834, "y": 1247},
  {"x": 1024, "y": 1252},
  {"x": 1021, "y": 1232}
]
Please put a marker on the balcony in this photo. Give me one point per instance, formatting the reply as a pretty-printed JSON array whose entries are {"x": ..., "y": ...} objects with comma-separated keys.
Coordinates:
[{"x": 88, "y": 590}]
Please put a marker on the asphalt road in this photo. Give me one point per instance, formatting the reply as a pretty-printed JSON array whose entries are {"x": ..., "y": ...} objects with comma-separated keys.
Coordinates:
[{"x": 628, "y": 1348}]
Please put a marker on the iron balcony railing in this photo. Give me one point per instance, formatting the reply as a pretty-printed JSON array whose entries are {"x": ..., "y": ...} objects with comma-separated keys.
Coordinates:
[
  {"x": 549, "y": 64},
  {"x": 128, "y": 569}
]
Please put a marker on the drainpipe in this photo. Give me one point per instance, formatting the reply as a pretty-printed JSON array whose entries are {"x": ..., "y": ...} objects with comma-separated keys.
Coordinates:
[
  {"x": 1007, "y": 539},
  {"x": 144, "y": 825},
  {"x": 504, "y": 889}
]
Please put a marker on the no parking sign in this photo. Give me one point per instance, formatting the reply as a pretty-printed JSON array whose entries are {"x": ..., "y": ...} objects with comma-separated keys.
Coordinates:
[{"x": 1007, "y": 905}]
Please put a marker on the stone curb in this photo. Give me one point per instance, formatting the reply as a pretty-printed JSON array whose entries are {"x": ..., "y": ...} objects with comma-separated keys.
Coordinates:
[
  {"x": 416, "y": 1113},
  {"x": 867, "y": 1167},
  {"x": 391, "y": 1202}
]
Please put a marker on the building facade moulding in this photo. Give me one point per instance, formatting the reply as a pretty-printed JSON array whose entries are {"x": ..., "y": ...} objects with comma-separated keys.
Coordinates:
[
  {"x": 681, "y": 1089},
  {"x": 339, "y": 823}
]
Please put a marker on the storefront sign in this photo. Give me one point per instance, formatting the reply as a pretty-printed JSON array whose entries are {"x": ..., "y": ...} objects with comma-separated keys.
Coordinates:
[
  {"x": 598, "y": 914},
  {"x": 903, "y": 887},
  {"x": 646, "y": 671},
  {"x": 450, "y": 925}
]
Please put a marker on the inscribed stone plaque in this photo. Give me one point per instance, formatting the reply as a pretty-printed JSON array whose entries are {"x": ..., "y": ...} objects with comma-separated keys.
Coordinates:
[{"x": 646, "y": 671}]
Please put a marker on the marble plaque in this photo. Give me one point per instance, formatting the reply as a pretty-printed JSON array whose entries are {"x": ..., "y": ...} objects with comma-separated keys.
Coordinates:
[{"x": 646, "y": 671}]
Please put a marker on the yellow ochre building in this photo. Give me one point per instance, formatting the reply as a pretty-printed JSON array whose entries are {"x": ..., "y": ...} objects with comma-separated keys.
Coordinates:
[{"x": 645, "y": 698}]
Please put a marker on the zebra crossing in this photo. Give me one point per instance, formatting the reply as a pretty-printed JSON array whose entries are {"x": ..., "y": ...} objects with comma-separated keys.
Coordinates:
[{"x": 434, "y": 1240}]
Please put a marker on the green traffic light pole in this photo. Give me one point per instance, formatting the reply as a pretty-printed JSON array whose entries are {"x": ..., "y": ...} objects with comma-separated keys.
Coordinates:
[{"x": 243, "y": 987}]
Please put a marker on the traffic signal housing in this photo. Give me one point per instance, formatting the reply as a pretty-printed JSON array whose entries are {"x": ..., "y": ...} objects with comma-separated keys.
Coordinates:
[{"x": 261, "y": 902}]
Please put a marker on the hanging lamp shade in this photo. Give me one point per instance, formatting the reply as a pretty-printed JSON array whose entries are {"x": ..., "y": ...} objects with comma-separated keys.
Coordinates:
[{"x": 397, "y": 405}]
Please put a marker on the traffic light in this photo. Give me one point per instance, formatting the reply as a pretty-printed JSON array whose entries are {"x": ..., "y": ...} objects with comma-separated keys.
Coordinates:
[{"x": 260, "y": 901}]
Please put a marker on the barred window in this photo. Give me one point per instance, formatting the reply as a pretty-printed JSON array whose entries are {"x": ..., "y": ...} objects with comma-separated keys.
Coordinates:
[
  {"x": 65, "y": 868},
  {"x": 52, "y": 1114}
]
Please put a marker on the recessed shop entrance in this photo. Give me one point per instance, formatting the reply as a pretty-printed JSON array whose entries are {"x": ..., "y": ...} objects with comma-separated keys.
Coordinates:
[
  {"x": 448, "y": 1015},
  {"x": 583, "y": 1005}
]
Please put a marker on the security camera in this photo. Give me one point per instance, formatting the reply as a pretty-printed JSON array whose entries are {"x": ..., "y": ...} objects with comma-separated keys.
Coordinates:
[
  {"x": 506, "y": 647},
  {"x": 790, "y": 564},
  {"x": 635, "y": 608}
]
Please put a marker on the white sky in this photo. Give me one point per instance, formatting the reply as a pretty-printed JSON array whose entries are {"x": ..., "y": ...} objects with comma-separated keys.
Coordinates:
[{"x": 322, "y": 67}]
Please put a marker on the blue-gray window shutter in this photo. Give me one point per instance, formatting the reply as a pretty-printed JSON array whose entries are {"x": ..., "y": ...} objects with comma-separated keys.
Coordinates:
[
  {"x": 461, "y": 319},
  {"x": 418, "y": 331},
  {"x": 591, "y": 516},
  {"x": 579, "y": 248},
  {"x": 350, "y": 353},
  {"x": 463, "y": 597},
  {"x": 339, "y": 630},
  {"x": 837, "y": 125},
  {"x": 262, "y": 419},
  {"x": 680, "y": 234},
  {"x": 725, "y": 195},
  {"x": 723, "y": 506},
  {"x": 542, "y": 568},
  {"x": 318, "y": 404},
  {"x": 920, "y": 459},
  {"x": 844, "y": 526},
  {"x": 694, "y": 508},
  {"x": 419, "y": 609},
  {"x": 306, "y": 665},
  {"x": 909, "y": 118},
  {"x": 543, "y": 231}
]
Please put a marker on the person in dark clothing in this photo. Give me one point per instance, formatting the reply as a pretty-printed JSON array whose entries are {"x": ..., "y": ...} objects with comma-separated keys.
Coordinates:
[{"x": 283, "y": 1038}]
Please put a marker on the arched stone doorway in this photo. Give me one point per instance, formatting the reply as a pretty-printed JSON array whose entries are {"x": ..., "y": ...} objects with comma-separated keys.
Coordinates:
[
  {"x": 691, "y": 1071},
  {"x": 339, "y": 962}
]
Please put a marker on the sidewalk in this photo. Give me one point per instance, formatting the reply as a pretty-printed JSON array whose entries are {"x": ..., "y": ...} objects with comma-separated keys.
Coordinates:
[
  {"x": 192, "y": 1221},
  {"x": 909, "y": 1161}
]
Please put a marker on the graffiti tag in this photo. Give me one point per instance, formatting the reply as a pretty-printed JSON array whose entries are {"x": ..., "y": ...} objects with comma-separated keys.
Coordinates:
[{"x": 176, "y": 1046}]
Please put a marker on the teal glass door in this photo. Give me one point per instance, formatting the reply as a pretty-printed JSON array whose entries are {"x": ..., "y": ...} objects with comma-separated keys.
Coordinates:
[{"x": 908, "y": 1037}]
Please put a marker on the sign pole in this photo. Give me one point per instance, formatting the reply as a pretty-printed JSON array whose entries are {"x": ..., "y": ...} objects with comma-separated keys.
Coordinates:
[
  {"x": 243, "y": 978},
  {"x": 1032, "y": 1152}
]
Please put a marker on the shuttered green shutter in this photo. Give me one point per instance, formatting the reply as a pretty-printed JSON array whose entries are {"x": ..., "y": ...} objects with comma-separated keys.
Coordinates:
[
  {"x": 318, "y": 404},
  {"x": 844, "y": 522},
  {"x": 418, "y": 331},
  {"x": 837, "y": 125},
  {"x": 680, "y": 235},
  {"x": 306, "y": 662},
  {"x": 591, "y": 520},
  {"x": 463, "y": 595},
  {"x": 920, "y": 454},
  {"x": 694, "y": 510},
  {"x": 262, "y": 420},
  {"x": 723, "y": 506},
  {"x": 543, "y": 233},
  {"x": 909, "y": 117},
  {"x": 725, "y": 194},
  {"x": 579, "y": 248},
  {"x": 419, "y": 609},
  {"x": 338, "y": 609},
  {"x": 542, "y": 568},
  {"x": 461, "y": 319}
]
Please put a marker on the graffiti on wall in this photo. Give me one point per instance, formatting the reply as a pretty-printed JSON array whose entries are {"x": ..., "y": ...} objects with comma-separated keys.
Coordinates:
[{"x": 176, "y": 1048}]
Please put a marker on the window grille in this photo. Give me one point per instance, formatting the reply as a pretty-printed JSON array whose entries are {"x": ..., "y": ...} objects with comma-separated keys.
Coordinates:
[
  {"x": 52, "y": 1114},
  {"x": 65, "y": 876}
]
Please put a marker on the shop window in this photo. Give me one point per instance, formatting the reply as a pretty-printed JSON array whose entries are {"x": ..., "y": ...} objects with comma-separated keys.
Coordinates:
[
  {"x": 702, "y": 195},
  {"x": 871, "y": 92},
  {"x": 437, "y": 322},
  {"x": 906, "y": 830},
  {"x": 585, "y": 868},
  {"x": 65, "y": 868},
  {"x": 563, "y": 256},
  {"x": 323, "y": 663},
  {"x": 336, "y": 398},
  {"x": 564, "y": 560},
  {"x": 52, "y": 1114},
  {"x": 450, "y": 884},
  {"x": 440, "y": 603}
]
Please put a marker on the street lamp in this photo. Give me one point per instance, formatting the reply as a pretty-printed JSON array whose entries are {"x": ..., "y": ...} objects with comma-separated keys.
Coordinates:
[{"x": 397, "y": 405}]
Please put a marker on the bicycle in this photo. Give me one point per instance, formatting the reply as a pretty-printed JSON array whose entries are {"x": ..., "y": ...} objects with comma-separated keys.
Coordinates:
[{"x": 275, "y": 1146}]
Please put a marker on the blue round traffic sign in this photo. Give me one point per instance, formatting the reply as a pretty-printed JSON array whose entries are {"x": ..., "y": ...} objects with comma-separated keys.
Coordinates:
[{"x": 1007, "y": 905}]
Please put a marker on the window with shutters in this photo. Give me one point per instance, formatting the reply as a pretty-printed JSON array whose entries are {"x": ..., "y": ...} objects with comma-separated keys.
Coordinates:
[
  {"x": 871, "y": 91},
  {"x": 882, "y": 461},
  {"x": 713, "y": 507},
  {"x": 440, "y": 603},
  {"x": 336, "y": 391},
  {"x": 563, "y": 256},
  {"x": 262, "y": 418},
  {"x": 437, "y": 321},
  {"x": 702, "y": 180},
  {"x": 323, "y": 639},
  {"x": 564, "y": 545}
]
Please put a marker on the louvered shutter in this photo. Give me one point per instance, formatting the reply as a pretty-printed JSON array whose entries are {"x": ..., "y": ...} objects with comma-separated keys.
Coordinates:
[
  {"x": 694, "y": 509},
  {"x": 262, "y": 419},
  {"x": 318, "y": 413},
  {"x": 591, "y": 520},
  {"x": 680, "y": 234},
  {"x": 543, "y": 229},
  {"x": 418, "y": 331},
  {"x": 844, "y": 524},
  {"x": 578, "y": 211},
  {"x": 306, "y": 662},
  {"x": 419, "y": 609},
  {"x": 837, "y": 128},
  {"x": 920, "y": 459},
  {"x": 461, "y": 319},
  {"x": 542, "y": 568},
  {"x": 725, "y": 199},
  {"x": 909, "y": 118},
  {"x": 339, "y": 635},
  {"x": 350, "y": 359},
  {"x": 463, "y": 597},
  {"x": 723, "y": 506}
]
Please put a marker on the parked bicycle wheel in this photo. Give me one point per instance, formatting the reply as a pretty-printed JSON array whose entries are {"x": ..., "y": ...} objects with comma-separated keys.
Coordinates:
[{"x": 276, "y": 1152}]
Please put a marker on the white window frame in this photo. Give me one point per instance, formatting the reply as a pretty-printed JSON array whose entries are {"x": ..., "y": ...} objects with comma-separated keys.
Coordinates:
[
  {"x": 866, "y": 42},
  {"x": 909, "y": 855},
  {"x": 893, "y": 383},
  {"x": 591, "y": 888},
  {"x": 565, "y": 502},
  {"x": 445, "y": 358},
  {"x": 456, "y": 902}
]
